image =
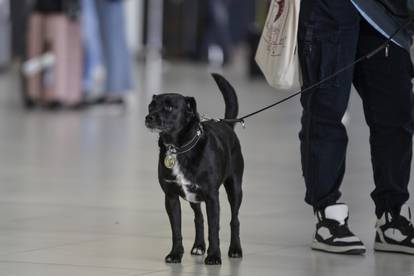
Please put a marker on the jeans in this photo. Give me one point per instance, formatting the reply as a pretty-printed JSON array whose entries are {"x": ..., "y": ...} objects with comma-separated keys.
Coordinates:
[
  {"x": 92, "y": 43},
  {"x": 117, "y": 57},
  {"x": 105, "y": 44},
  {"x": 331, "y": 35}
]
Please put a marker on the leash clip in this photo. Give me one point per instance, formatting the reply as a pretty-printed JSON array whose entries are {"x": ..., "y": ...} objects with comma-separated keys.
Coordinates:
[{"x": 243, "y": 124}]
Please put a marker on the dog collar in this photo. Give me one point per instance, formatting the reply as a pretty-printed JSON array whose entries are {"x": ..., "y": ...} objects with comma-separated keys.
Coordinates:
[{"x": 172, "y": 150}]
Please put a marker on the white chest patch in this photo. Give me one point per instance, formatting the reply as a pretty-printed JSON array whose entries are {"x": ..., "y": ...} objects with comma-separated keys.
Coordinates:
[{"x": 185, "y": 184}]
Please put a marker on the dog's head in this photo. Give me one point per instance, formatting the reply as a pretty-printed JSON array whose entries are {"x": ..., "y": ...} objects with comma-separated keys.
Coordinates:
[{"x": 171, "y": 113}]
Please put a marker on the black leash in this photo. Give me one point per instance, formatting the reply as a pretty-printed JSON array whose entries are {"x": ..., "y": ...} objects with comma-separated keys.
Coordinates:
[{"x": 365, "y": 57}]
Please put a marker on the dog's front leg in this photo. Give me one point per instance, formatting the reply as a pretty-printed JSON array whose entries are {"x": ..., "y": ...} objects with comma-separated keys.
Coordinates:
[
  {"x": 213, "y": 216},
  {"x": 199, "y": 247},
  {"x": 172, "y": 205}
]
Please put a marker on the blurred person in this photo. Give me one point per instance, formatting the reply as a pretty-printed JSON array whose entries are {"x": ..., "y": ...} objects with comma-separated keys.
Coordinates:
[
  {"x": 106, "y": 47},
  {"x": 217, "y": 38},
  {"x": 331, "y": 35},
  {"x": 93, "y": 67}
]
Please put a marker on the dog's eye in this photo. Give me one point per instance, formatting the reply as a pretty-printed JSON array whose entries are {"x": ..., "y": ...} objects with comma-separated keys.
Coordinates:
[{"x": 169, "y": 108}]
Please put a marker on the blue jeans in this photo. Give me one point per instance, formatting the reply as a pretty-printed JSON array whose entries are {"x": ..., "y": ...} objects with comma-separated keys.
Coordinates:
[
  {"x": 117, "y": 58},
  {"x": 331, "y": 35},
  {"x": 106, "y": 44},
  {"x": 91, "y": 43}
]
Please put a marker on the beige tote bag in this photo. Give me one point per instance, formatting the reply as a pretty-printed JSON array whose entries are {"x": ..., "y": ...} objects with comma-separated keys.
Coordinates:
[{"x": 277, "y": 51}]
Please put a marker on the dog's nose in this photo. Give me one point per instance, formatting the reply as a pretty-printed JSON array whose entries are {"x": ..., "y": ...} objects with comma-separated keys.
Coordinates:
[{"x": 149, "y": 119}]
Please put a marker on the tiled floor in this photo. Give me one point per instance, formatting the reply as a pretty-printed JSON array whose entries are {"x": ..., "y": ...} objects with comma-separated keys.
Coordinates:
[{"x": 79, "y": 192}]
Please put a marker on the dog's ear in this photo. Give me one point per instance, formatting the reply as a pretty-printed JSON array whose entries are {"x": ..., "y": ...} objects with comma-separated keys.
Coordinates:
[{"x": 191, "y": 105}]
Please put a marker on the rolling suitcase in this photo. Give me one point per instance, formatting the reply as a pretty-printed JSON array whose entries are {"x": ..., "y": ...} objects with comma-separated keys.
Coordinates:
[
  {"x": 53, "y": 69},
  {"x": 5, "y": 34}
]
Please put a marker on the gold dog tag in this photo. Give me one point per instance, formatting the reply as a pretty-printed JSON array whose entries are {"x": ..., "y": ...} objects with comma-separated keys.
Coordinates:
[{"x": 169, "y": 161}]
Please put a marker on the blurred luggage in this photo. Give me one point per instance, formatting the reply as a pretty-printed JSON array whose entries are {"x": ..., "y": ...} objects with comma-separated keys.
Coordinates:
[
  {"x": 253, "y": 39},
  {"x": 5, "y": 34},
  {"x": 183, "y": 28},
  {"x": 53, "y": 68}
]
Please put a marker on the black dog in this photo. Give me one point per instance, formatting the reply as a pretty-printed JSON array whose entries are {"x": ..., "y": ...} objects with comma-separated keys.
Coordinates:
[{"x": 195, "y": 159}]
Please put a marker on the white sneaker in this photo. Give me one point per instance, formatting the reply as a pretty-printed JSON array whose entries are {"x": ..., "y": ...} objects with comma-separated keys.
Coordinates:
[
  {"x": 395, "y": 233},
  {"x": 332, "y": 232}
]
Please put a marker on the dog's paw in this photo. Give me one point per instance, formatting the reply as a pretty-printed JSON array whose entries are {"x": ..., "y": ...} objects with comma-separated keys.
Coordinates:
[
  {"x": 212, "y": 260},
  {"x": 198, "y": 250},
  {"x": 235, "y": 252},
  {"x": 173, "y": 258}
]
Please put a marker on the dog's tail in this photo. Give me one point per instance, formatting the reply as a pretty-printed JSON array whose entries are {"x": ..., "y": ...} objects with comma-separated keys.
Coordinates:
[{"x": 230, "y": 97}]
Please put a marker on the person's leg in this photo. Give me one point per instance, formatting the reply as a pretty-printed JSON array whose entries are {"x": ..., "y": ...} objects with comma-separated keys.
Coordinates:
[
  {"x": 115, "y": 49},
  {"x": 328, "y": 34},
  {"x": 219, "y": 32},
  {"x": 384, "y": 84},
  {"x": 91, "y": 43}
]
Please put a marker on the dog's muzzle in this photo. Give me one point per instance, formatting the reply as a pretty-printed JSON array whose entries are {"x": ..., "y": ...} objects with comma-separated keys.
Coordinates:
[{"x": 150, "y": 121}]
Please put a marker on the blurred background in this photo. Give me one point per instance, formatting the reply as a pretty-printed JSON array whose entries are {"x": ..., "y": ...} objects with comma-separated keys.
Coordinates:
[
  {"x": 79, "y": 193},
  {"x": 75, "y": 53}
]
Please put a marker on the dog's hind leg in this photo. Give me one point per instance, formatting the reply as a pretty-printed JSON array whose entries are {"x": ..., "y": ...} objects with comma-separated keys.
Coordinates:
[
  {"x": 173, "y": 207},
  {"x": 199, "y": 247},
  {"x": 234, "y": 195}
]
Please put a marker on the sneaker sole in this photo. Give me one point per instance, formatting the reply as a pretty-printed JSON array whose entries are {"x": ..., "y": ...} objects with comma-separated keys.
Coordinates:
[
  {"x": 393, "y": 248},
  {"x": 347, "y": 250}
]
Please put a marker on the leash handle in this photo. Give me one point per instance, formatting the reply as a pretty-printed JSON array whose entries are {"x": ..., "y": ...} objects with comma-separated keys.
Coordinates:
[{"x": 365, "y": 57}]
